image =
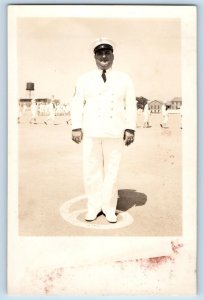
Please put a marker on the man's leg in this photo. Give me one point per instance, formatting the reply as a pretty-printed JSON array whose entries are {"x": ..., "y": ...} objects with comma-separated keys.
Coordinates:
[
  {"x": 112, "y": 150},
  {"x": 93, "y": 173}
]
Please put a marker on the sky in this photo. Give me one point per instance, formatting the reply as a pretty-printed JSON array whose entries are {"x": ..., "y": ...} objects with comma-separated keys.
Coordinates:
[{"x": 54, "y": 52}]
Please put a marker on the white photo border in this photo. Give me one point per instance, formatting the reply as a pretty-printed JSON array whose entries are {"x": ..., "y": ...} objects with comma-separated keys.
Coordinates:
[{"x": 34, "y": 246}]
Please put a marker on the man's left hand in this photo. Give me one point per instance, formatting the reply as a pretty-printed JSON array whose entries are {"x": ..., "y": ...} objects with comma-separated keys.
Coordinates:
[
  {"x": 129, "y": 137},
  {"x": 77, "y": 135}
]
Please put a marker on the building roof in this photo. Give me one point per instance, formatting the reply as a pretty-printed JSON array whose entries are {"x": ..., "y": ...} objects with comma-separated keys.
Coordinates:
[
  {"x": 177, "y": 99},
  {"x": 155, "y": 101}
]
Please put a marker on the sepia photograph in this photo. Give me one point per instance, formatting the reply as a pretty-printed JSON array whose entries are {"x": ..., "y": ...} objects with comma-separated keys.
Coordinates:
[{"x": 102, "y": 150}]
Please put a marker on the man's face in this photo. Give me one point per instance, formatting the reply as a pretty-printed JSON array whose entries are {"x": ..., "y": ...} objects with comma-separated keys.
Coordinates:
[{"x": 104, "y": 59}]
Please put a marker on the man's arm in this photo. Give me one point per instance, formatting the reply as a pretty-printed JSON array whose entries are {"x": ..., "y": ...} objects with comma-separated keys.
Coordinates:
[
  {"x": 76, "y": 111},
  {"x": 131, "y": 113}
]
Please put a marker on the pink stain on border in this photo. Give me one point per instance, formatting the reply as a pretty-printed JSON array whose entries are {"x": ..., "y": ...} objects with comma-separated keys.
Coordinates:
[
  {"x": 50, "y": 279},
  {"x": 175, "y": 247},
  {"x": 155, "y": 262}
]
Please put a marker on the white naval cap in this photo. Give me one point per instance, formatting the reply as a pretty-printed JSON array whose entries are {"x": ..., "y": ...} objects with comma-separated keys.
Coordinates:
[{"x": 102, "y": 43}]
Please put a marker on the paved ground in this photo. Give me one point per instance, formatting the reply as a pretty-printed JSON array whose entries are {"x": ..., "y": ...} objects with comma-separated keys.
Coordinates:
[{"x": 50, "y": 179}]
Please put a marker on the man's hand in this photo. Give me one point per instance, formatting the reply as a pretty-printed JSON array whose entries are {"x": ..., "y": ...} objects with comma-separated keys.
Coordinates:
[
  {"x": 77, "y": 135},
  {"x": 129, "y": 136}
]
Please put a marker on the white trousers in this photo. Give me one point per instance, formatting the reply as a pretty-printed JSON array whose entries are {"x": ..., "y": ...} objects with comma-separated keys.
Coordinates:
[
  {"x": 165, "y": 118},
  {"x": 146, "y": 118},
  {"x": 101, "y": 160}
]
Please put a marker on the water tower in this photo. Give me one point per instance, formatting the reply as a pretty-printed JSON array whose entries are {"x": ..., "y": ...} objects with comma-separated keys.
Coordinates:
[{"x": 30, "y": 89}]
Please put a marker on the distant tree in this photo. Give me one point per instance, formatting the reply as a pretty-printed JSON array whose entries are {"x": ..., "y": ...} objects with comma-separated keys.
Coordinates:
[{"x": 141, "y": 102}]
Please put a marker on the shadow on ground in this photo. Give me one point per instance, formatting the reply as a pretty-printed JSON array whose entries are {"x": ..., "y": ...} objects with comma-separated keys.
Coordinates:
[{"x": 129, "y": 198}]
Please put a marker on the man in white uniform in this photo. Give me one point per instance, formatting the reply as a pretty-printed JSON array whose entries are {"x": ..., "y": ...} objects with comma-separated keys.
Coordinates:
[
  {"x": 103, "y": 114},
  {"x": 181, "y": 114},
  {"x": 165, "y": 115},
  {"x": 147, "y": 113},
  {"x": 34, "y": 109},
  {"x": 51, "y": 112}
]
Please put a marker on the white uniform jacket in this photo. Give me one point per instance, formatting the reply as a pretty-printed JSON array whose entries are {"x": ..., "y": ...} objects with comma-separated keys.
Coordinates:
[
  {"x": 104, "y": 109},
  {"x": 164, "y": 110}
]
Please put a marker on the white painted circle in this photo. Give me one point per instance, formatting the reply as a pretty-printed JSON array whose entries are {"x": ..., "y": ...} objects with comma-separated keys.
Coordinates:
[{"x": 72, "y": 217}]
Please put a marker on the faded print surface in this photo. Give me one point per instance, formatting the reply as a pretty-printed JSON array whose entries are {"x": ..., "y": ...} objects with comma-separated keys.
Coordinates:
[
  {"x": 50, "y": 173},
  {"x": 155, "y": 235}
]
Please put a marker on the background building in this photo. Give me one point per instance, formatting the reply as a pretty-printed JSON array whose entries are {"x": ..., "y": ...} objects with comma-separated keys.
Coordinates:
[
  {"x": 155, "y": 106},
  {"x": 176, "y": 103}
]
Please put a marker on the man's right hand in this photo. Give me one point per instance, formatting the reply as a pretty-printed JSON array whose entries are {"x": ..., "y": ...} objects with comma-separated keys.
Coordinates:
[{"x": 77, "y": 135}]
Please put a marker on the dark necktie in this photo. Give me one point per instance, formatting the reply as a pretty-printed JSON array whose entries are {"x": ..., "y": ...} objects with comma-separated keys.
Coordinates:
[{"x": 104, "y": 75}]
